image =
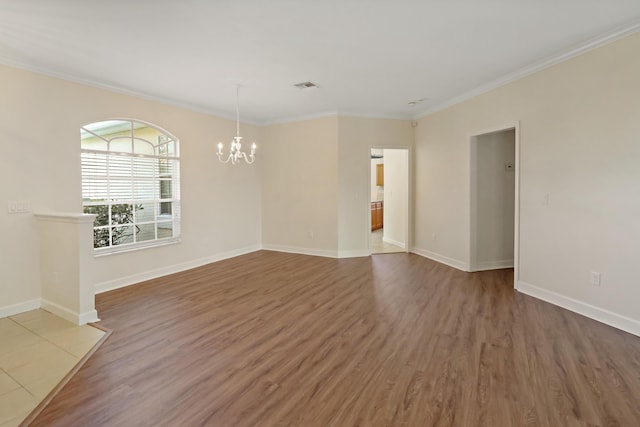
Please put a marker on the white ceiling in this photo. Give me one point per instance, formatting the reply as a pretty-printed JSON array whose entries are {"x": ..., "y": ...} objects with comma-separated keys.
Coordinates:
[{"x": 368, "y": 57}]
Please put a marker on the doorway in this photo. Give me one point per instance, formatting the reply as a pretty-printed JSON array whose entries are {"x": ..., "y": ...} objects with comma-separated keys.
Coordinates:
[
  {"x": 494, "y": 200},
  {"x": 389, "y": 200}
]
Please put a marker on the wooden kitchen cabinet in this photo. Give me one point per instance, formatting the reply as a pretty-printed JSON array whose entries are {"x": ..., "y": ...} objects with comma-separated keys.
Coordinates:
[
  {"x": 377, "y": 215},
  {"x": 380, "y": 175}
]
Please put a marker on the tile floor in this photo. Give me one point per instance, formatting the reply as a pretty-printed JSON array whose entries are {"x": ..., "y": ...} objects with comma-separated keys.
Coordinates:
[
  {"x": 37, "y": 350},
  {"x": 379, "y": 247}
]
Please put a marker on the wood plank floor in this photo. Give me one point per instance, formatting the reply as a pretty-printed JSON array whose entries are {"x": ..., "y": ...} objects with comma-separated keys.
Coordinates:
[{"x": 273, "y": 339}]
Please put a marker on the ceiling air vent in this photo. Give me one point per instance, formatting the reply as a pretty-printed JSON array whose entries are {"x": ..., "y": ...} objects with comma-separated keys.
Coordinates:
[{"x": 305, "y": 85}]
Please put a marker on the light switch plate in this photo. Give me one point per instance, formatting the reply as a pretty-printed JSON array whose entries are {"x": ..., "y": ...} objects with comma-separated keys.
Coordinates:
[
  {"x": 18, "y": 206},
  {"x": 24, "y": 206}
]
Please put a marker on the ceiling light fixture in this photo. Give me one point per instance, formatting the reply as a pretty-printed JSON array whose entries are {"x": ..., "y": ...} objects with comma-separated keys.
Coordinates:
[{"x": 235, "y": 151}]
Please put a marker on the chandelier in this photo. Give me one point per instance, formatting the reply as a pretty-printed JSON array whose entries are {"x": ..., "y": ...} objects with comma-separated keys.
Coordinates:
[{"x": 235, "y": 151}]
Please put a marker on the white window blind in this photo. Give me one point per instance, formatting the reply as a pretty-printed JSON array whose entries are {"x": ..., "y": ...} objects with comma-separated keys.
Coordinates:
[{"x": 131, "y": 182}]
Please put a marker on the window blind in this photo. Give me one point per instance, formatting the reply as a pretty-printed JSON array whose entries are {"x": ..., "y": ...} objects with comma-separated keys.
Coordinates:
[{"x": 131, "y": 181}]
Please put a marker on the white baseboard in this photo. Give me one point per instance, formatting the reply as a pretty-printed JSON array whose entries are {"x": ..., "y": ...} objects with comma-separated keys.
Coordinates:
[
  {"x": 70, "y": 315},
  {"x": 493, "y": 265},
  {"x": 88, "y": 317},
  {"x": 451, "y": 262},
  {"x": 353, "y": 254},
  {"x": 302, "y": 251},
  {"x": 394, "y": 242},
  {"x": 171, "y": 269},
  {"x": 13, "y": 309},
  {"x": 601, "y": 315}
]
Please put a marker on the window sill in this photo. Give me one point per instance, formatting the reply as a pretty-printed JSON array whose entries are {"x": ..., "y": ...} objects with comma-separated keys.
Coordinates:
[{"x": 134, "y": 247}]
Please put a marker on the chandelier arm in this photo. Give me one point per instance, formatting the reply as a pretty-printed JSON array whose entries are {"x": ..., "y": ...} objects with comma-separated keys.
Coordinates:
[
  {"x": 246, "y": 158},
  {"x": 223, "y": 161}
]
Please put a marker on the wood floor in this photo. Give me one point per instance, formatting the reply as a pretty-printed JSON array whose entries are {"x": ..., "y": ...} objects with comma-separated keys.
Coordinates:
[{"x": 273, "y": 339}]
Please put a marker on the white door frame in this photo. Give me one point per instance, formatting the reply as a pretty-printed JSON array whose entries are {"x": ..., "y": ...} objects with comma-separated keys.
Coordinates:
[
  {"x": 472, "y": 208},
  {"x": 407, "y": 246}
]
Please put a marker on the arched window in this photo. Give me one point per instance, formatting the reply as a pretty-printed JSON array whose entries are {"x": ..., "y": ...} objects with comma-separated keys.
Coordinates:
[{"x": 131, "y": 182}]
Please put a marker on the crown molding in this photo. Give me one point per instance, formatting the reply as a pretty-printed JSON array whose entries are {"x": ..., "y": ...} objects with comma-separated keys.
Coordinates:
[
  {"x": 116, "y": 89},
  {"x": 306, "y": 117},
  {"x": 537, "y": 66},
  {"x": 407, "y": 117},
  {"x": 302, "y": 118}
]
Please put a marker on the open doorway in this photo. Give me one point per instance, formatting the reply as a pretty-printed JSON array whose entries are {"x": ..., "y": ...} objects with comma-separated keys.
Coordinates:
[
  {"x": 494, "y": 200},
  {"x": 389, "y": 200}
]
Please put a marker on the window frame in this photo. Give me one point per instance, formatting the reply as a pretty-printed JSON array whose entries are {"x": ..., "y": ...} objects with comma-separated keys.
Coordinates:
[{"x": 112, "y": 179}]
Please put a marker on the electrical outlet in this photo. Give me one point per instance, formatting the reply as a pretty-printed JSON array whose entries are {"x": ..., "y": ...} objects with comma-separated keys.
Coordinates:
[
  {"x": 12, "y": 207},
  {"x": 595, "y": 278}
]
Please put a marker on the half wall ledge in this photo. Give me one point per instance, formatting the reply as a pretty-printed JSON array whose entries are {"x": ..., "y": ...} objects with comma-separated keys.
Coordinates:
[{"x": 66, "y": 252}]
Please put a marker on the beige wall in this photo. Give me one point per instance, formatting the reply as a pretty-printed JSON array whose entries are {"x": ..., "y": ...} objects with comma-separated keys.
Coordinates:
[
  {"x": 40, "y": 162},
  {"x": 396, "y": 196},
  {"x": 580, "y": 142},
  {"x": 300, "y": 186},
  {"x": 316, "y": 185},
  {"x": 356, "y": 137}
]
